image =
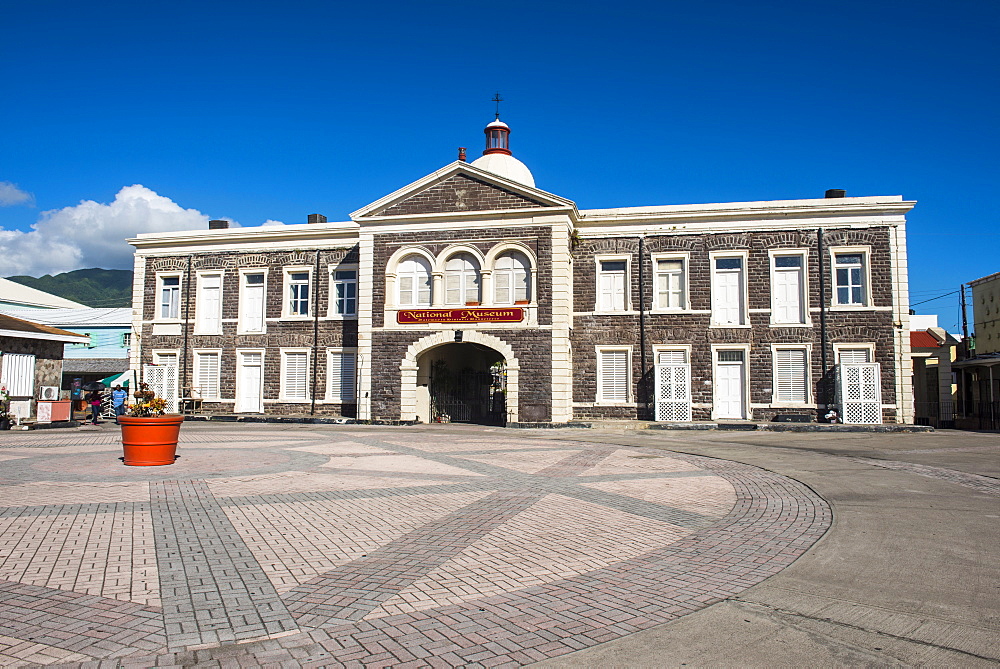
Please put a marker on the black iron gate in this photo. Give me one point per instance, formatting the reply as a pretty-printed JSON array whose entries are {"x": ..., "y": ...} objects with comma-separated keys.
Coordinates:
[{"x": 469, "y": 396}]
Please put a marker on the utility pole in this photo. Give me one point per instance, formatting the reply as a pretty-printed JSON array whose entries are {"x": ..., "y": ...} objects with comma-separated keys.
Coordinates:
[{"x": 965, "y": 320}]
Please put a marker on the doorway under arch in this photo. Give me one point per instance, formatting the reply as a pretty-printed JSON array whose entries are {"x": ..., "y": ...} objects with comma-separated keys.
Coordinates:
[
  {"x": 472, "y": 381},
  {"x": 463, "y": 383}
]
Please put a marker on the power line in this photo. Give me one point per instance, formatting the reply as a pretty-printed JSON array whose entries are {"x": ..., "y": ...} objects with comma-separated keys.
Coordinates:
[{"x": 954, "y": 292}]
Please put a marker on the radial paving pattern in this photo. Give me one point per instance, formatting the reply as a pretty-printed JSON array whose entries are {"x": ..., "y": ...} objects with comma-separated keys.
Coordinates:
[{"x": 379, "y": 546}]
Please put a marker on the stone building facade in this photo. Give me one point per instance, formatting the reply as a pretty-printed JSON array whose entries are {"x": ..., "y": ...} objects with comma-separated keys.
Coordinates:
[{"x": 471, "y": 294}]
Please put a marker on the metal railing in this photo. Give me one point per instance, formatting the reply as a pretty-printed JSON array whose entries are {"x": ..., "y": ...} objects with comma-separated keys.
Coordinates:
[{"x": 963, "y": 414}]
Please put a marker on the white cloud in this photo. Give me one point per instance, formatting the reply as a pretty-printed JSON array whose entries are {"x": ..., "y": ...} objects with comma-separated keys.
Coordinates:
[
  {"x": 10, "y": 195},
  {"x": 92, "y": 234},
  {"x": 271, "y": 222}
]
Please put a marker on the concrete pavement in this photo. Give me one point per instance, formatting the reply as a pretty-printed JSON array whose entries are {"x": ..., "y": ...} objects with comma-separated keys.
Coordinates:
[{"x": 462, "y": 546}]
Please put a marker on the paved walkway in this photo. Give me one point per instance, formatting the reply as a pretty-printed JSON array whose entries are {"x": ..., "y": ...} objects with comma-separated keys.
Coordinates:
[{"x": 371, "y": 546}]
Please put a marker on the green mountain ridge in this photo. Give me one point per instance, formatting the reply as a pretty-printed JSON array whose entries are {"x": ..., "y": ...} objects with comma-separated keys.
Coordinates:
[{"x": 93, "y": 287}]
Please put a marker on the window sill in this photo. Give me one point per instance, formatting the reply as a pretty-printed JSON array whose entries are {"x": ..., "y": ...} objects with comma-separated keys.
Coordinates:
[
  {"x": 295, "y": 318},
  {"x": 720, "y": 326},
  {"x": 670, "y": 311},
  {"x": 791, "y": 325},
  {"x": 851, "y": 307},
  {"x": 285, "y": 400},
  {"x": 251, "y": 332},
  {"x": 340, "y": 317}
]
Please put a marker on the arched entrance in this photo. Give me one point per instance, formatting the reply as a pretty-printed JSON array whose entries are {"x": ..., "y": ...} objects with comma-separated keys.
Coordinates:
[
  {"x": 471, "y": 381},
  {"x": 464, "y": 383}
]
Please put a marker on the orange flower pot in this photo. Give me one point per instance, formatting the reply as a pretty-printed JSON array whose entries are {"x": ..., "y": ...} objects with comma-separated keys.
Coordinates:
[{"x": 150, "y": 441}]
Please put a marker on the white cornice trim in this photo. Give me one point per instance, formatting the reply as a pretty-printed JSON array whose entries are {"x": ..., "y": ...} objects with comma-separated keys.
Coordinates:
[
  {"x": 317, "y": 234},
  {"x": 776, "y": 209},
  {"x": 449, "y": 170}
]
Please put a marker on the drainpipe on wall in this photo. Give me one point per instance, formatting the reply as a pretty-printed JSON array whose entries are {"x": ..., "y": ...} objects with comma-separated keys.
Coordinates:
[
  {"x": 187, "y": 312},
  {"x": 822, "y": 318},
  {"x": 312, "y": 394},
  {"x": 643, "y": 382}
]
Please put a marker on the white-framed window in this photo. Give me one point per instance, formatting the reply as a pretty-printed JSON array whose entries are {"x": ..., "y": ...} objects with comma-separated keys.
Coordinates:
[
  {"x": 126, "y": 340},
  {"x": 729, "y": 289},
  {"x": 511, "y": 278},
  {"x": 168, "y": 291},
  {"x": 791, "y": 374},
  {"x": 207, "y": 373},
  {"x": 84, "y": 344},
  {"x": 166, "y": 358},
  {"x": 614, "y": 365},
  {"x": 850, "y": 276},
  {"x": 854, "y": 353},
  {"x": 344, "y": 291},
  {"x": 670, "y": 282},
  {"x": 341, "y": 375},
  {"x": 788, "y": 288},
  {"x": 294, "y": 375},
  {"x": 253, "y": 300},
  {"x": 297, "y": 292},
  {"x": 413, "y": 282},
  {"x": 461, "y": 280},
  {"x": 612, "y": 283},
  {"x": 208, "y": 304}
]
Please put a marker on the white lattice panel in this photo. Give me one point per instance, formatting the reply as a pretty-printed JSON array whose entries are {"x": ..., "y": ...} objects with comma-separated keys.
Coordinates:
[
  {"x": 859, "y": 390},
  {"x": 162, "y": 380},
  {"x": 673, "y": 392}
]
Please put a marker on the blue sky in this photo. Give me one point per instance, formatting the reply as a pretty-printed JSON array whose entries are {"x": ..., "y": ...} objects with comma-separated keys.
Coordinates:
[{"x": 261, "y": 112}]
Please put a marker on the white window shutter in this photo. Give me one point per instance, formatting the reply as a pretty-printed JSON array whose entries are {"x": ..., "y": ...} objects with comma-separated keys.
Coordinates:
[
  {"x": 501, "y": 284},
  {"x": 253, "y": 304},
  {"x": 671, "y": 357},
  {"x": 207, "y": 381},
  {"x": 18, "y": 374},
  {"x": 850, "y": 356},
  {"x": 453, "y": 288},
  {"x": 787, "y": 296},
  {"x": 614, "y": 376},
  {"x": 791, "y": 381},
  {"x": 341, "y": 374},
  {"x": 296, "y": 375},
  {"x": 210, "y": 304}
]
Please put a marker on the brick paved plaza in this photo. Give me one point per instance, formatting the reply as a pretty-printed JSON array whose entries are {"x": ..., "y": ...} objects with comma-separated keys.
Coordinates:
[{"x": 372, "y": 546}]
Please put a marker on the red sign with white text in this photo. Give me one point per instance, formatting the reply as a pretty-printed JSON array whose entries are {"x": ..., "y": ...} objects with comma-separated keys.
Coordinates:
[{"x": 462, "y": 315}]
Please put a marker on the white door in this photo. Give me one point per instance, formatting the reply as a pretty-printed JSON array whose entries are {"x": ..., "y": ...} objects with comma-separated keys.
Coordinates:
[
  {"x": 729, "y": 383},
  {"x": 726, "y": 298},
  {"x": 250, "y": 383}
]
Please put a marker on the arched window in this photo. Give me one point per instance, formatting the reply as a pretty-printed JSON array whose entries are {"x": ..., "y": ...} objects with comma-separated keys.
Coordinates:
[
  {"x": 512, "y": 278},
  {"x": 461, "y": 279},
  {"x": 414, "y": 280}
]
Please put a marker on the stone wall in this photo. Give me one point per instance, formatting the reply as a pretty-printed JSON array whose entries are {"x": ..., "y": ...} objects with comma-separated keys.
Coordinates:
[
  {"x": 859, "y": 326},
  {"x": 304, "y": 333}
]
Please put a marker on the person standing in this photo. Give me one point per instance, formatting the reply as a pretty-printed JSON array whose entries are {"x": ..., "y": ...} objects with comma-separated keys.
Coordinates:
[
  {"x": 118, "y": 397},
  {"x": 94, "y": 399}
]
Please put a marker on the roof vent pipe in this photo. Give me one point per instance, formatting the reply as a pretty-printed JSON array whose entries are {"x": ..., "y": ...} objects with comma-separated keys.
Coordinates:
[
  {"x": 218, "y": 224},
  {"x": 836, "y": 192},
  {"x": 316, "y": 218},
  {"x": 461, "y": 153}
]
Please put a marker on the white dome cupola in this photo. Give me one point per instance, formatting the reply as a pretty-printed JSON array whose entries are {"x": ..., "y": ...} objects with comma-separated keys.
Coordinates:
[{"x": 497, "y": 157}]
